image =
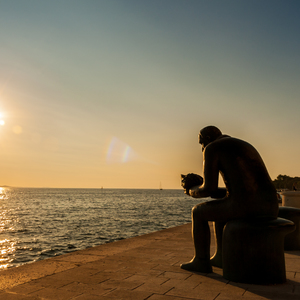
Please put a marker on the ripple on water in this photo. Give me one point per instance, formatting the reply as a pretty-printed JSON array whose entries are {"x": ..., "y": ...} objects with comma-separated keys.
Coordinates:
[{"x": 40, "y": 223}]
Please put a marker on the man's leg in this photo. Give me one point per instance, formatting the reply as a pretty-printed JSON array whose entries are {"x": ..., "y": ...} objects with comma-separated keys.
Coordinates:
[
  {"x": 216, "y": 210},
  {"x": 216, "y": 259},
  {"x": 201, "y": 237}
]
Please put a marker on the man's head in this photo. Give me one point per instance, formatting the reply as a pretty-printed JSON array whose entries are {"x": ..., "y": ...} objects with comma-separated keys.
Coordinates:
[{"x": 208, "y": 134}]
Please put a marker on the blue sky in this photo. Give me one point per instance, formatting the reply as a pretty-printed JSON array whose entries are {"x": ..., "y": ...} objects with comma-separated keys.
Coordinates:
[{"x": 114, "y": 93}]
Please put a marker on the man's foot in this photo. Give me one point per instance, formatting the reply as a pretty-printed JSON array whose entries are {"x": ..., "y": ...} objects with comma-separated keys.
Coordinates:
[
  {"x": 216, "y": 260},
  {"x": 198, "y": 265}
]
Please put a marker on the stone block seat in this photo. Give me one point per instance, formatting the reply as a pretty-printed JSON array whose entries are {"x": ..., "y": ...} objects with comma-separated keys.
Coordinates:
[
  {"x": 292, "y": 240},
  {"x": 253, "y": 250}
]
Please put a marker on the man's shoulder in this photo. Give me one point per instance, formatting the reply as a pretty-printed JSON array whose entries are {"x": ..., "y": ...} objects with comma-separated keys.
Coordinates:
[
  {"x": 212, "y": 148},
  {"x": 225, "y": 141},
  {"x": 220, "y": 140},
  {"x": 228, "y": 143},
  {"x": 228, "y": 139}
]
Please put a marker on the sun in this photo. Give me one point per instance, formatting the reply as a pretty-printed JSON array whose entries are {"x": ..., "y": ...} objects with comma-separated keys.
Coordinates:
[{"x": 2, "y": 122}]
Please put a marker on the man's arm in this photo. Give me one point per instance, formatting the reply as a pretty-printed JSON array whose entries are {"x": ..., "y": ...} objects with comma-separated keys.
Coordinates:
[
  {"x": 211, "y": 176},
  {"x": 220, "y": 193}
]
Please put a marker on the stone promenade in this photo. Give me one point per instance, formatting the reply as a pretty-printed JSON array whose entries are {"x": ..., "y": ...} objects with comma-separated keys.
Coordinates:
[{"x": 144, "y": 267}]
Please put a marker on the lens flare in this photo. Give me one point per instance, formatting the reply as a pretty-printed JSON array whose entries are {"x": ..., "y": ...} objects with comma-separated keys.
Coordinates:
[
  {"x": 119, "y": 152},
  {"x": 126, "y": 154}
]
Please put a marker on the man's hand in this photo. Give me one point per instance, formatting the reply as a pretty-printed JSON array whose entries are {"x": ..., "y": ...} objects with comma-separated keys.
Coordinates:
[
  {"x": 193, "y": 192},
  {"x": 187, "y": 191}
]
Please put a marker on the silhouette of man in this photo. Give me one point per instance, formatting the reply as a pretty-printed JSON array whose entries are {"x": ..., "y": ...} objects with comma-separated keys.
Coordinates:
[{"x": 249, "y": 193}]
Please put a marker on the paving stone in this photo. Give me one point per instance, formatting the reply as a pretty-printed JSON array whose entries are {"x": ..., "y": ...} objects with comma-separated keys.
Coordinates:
[
  {"x": 77, "y": 258},
  {"x": 140, "y": 268},
  {"x": 136, "y": 268},
  {"x": 177, "y": 275},
  {"x": 166, "y": 297},
  {"x": 297, "y": 276},
  {"x": 151, "y": 272},
  {"x": 106, "y": 265},
  {"x": 153, "y": 288},
  {"x": 120, "y": 284},
  {"x": 55, "y": 294},
  {"x": 164, "y": 260},
  {"x": 232, "y": 291},
  {"x": 200, "y": 292},
  {"x": 279, "y": 291},
  {"x": 292, "y": 264},
  {"x": 114, "y": 275},
  {"x": 273, "y": 296},
  {"x": 120, "y": 294},
  {"x": 76, "y": 275},
  {"x": 276, "y": 288},
  {"x": 86, "y": 297},
  {"x": 170, "y": 268},
  {"x": 10, "y": 296},
  {"x": 181, "y": 284},
  {"x": 26, "y": 288},
  {"x": 88, "y": 289},
  {"x": 149, "y": 279},
  {"x": 26, "y": 273},
  {"x": 222, "y": 296}
]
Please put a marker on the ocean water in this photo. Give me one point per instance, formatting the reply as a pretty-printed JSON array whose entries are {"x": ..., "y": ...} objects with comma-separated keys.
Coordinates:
[{"x": 40, "y": 223}]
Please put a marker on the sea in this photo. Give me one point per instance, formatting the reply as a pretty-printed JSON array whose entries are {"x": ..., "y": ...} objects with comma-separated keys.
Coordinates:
[{"x": 39, "y": 223}]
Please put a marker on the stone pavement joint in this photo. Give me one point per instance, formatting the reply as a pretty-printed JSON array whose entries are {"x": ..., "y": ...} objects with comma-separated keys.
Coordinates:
[{"x": 141, "y": 268}]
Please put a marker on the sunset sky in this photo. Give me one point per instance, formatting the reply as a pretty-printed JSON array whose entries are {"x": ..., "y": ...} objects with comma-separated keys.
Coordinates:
[{"x": 113, "y": 93}]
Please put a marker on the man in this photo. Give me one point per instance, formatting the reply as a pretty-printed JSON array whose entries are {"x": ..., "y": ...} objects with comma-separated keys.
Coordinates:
[{"x": 249, "y": 192}]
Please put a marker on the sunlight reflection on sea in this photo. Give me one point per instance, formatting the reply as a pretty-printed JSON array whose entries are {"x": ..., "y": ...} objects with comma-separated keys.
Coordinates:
[{"x": 40, "y": 223}]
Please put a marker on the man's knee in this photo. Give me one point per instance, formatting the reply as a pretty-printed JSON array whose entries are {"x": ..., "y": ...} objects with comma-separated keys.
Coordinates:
[
  {"x": 216, "y": 210},
  {"x": 197, "y": 211}
]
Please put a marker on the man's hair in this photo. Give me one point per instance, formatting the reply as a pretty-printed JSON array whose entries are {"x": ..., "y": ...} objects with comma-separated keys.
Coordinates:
[{"x": 212, "y": 131}]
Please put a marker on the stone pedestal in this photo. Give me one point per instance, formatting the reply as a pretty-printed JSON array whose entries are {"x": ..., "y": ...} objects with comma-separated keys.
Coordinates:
[
  {"x": 253, "y": 250},
  {"x": 292, "y": 240}
]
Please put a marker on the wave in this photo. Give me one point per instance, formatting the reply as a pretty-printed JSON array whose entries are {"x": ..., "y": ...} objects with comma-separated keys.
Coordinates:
[{"x": 39, "y": 223}]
